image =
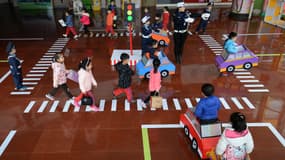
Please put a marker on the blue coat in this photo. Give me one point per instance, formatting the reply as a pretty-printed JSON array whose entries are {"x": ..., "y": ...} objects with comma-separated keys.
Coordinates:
[
  {"x": 69, "y": 21},
  {"x": 15, "y": 64},
  {"x": 208, "y": 108},
  {"x": 156, "y": 26},
  {"x": 230, "y": 46}
]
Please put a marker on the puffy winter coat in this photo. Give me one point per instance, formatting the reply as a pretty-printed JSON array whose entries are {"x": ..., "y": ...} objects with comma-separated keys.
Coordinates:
[{"x": 125, "y": 75}]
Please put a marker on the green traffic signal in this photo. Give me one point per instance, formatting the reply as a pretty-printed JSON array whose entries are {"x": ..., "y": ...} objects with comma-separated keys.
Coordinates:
[{"x": 130, "y": 18}]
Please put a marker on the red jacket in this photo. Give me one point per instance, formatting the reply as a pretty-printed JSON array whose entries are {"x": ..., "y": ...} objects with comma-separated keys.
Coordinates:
[
  {"x": 85, "y": 19},
  {"x": 165, "y": 17}
]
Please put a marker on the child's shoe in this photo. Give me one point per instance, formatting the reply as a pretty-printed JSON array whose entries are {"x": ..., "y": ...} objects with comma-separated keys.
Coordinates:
[
  {"x": 50, "y": 97},
  {"x": 64, "y": 35},
  {"x": 94, "y": 108},
  {"x": 23, "y": 88},
  {"x": 190, "y": 33},
  {"x": 76, "y": 37},
  {"x": 143, "y": 105},
  {"x": 91, "y": 34}
]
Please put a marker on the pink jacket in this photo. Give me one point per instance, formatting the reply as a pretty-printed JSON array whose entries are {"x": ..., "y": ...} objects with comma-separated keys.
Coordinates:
[
  {"x": 86, "y": 80},
  {"x": 154, "y": 81},
  {"x": 85, "y": 19},
  {"x": 59, "y": 74}
]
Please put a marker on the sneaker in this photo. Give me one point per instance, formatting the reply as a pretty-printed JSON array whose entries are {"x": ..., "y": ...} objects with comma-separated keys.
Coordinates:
[
  {"x": 94, "y": 108},
  {"x": 170, "y": 33},
  {"x": 64, "y": 35},
  {"x": 75, "y": 103},
  {"x": 50, "y": 97},
  {"x": 76, "y": 37},
  {"x": 190, "y": 33},
  {"x": 80, "y": 34},
  {"x": 143, "y": 105},
  {"x": 23, "y": 88},
  {"x": 91, "y": 34}
]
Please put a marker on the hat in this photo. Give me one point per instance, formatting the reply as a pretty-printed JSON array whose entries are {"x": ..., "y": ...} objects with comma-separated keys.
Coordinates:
[
  {"x": 9, "y": 47},
  {"x": 124, "y": 56},
  {"x": 145, "y": 19},
  {"x": 180, "y": 4}
]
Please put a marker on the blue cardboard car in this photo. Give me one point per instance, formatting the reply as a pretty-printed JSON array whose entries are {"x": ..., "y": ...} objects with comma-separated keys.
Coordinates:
[{"x": 144, "y": 66}]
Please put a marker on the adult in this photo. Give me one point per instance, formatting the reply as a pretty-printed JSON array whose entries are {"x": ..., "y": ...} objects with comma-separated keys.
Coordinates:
[
  {"x": 180, "y": 20},
  {"x": 236, "y": 142}
]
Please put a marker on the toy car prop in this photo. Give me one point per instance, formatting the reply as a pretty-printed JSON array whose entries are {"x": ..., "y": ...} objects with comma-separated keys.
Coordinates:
[
  {"x": 144, "y": 66},
  {"x": 244, "y": 58},
  {"x": 161, "y": 37},
  {"x": 203, "y": 137}
]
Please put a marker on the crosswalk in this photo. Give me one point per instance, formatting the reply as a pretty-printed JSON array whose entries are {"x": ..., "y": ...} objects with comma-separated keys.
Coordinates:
[
  {"x": 248, "y": 80},
  {"x": 41, "y": 67},
  {"x": 174, "y": 104},
  {"x": 124, "y": 34}
]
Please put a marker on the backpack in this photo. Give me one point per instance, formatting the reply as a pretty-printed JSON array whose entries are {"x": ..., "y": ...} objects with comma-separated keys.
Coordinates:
[{"x": 235, "y": 153}]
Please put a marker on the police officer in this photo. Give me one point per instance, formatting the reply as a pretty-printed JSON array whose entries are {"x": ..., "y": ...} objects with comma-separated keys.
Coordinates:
[
  {"x": 180, "y": 20},
  {"x": 146, "y": 34}
]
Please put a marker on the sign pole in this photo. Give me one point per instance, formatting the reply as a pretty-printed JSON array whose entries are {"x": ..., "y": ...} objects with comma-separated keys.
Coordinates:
[{"x": 131, "y": 38}]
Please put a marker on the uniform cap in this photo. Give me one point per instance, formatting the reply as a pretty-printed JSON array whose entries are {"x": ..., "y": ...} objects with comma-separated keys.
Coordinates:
[
  {"x": 9, "y": 47},
  {"x": 145, "y": 19},
  {"x": 180, "y": 4}
]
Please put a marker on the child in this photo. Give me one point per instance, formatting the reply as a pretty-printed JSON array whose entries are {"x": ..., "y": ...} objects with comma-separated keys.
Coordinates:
[
  {"x": 236, "y": 142},
  {"x": 146, "y": 12},
  {"x": 113, "y": 8},
  {"x": 157, "y": 25},
  {"x": 205, "y": 17},
  {"x": 69, "y": 25},
  {"x": 146, "y": 34},
  {"x": 207, "y": 108},
  {"x": 15, "y": 66},
  {"x": 165, "y": 18},
  {"x": 85, "y": 21},
  {"x": 154, "y": 81},
  {"x": 109, "y": 22},
  {"x": 125, "y": 78},
  {"x": 86, "y": 80},
  {"x": 59, "y": 77},
  {"x": 230, "y": 45}
]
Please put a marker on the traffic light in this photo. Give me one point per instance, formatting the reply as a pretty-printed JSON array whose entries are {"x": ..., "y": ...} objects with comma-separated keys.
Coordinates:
[{"x": 130, "y": 11}]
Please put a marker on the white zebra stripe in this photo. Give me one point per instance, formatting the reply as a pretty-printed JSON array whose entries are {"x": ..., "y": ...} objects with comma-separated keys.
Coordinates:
[
  {"x": 43, "y": 106},
  {"x": 237, "y": 103},
  {"x": 29, "y": 107},
  {"x": 114, "y": 105},
  {"x": 54, "y": 106},
  {"x": 188, "y": 103},
  {"x": 176, "y": 104}
]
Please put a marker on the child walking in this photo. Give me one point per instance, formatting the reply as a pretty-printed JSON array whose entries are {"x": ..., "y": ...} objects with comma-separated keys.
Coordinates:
[
  {"x": 15, "y": 66},
  {"x": 85, "y": 21},
  {"x": 125, "y": 78},
  {"x": 165, "y": 18},
  {"x": 205, "y": 17},
  {"x": 154, "y": 83},
  {"x": 86, "y": 81},
  {"x": 109, "y": 22},
  {"x": 69, "y": 25},
  {"x": 59, "y": 77}
]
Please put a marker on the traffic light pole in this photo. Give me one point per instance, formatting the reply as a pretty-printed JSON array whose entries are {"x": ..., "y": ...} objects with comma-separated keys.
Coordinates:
[{"x": 131, "y": 38}]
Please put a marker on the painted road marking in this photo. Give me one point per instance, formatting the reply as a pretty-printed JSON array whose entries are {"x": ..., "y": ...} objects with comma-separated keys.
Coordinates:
[
  {"x": 54, "y": 106},
  {"x": 243, "y": 77},
  {"x": 88, "y": 108},
  {"x": 36, "y": 68},
  {"x": 5, "y": 76},
  {"x": 224, "y": 102},
  {"x": 46, "y": 59},
  {"x": 21, "y": 39},
  {"x": 217, "y": 49},
  {"x": 139, "y": 106},
  {"x": 29, "y": 107},
  {"x": 38, "y": 71},
  {"x": 188, "y": 103},
  {"x": 34, "y": 75},
  {"x": 30, "y": 83},
  {"x": 30, "y": 88},
  {"x": 114, "y": 105},
  {"x": 43, "y": 106},
  {"x": 176, "y": 104},
  {"x": 45, "y": 62},
  {"x": 7, "y": 140},
  {"x": 249, "y": 81},
  {"x": 164, "y": 104},
  {"x": 146, "y": 146},
  {"x": 102, "y": 105},
  {"x": 258, "y": 90},
  {"x": 47, "y": 56},
  {"x": 242, "y": 73},
  {"x": 40, "y": 65},
  {"x": 249, "y": 104},
  {"x": 31, "y": 79},
  {"x": 50, "y": 53},
  {"x": 253, "y": 85},
  {"x": 66, "y": 106},
  {"x": 127, "y": 105},
  {"x": 20, "y": 93},
  {"x": 76, "y": 109},
  {"x": 236, "y": 102}
]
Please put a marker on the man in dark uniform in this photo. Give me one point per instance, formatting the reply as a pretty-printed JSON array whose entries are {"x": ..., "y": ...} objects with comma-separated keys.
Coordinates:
[
  {"x": 146, "y": 34},
  {"x": 181, "y": 20}
]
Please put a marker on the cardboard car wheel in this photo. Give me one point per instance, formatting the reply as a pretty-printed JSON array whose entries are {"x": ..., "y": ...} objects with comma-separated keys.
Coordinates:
[
  {"x": 186, "y": 131},
  {"x": 164, "y": 73},
  {"x": 162, "y": 42},
  {"x": 247, "y": 65},
  {"x": 147, "y": 75},
  {"x": 230, "y": 68},
  {"x": 194, "y": 144}
]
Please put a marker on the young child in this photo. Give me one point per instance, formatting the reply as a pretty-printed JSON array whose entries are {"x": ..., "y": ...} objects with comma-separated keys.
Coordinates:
[
  {"x": 59, "y": 77},
  {"x": 15, "y": 66},
  {"x": 154, "y": 81},
  {"x": 230, "y": 45},
  {"x": 146, "y": 34},
  {"x": 157, "y": 25},
  {"x": 125, "y": 78},
  {"x": 207, "y": 108},
  {"x": 165, "y": 18},
  {"x": 85, "y": 21},
  {"x": 205, "y": 17},
  {"x": 146, "y": 12},
  {"x": 86, "y": 80},
  {"x": 109, "y": 22},
  {"x": 235, "y": 142},
  {"x": 69, "y": 25},
  {"x": 113, "y": 8}
]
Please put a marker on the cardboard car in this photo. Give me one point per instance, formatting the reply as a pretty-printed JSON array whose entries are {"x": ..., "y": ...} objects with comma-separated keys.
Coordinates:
[{"x": 244, "y": 58}]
